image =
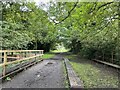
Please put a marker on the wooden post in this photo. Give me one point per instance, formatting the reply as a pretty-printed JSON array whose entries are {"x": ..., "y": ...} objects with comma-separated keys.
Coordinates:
[
  {"x": 35, "y": 57},
  {"x": 30, "y": 54},
  {"x": 5, "y": 61},
  {"x": 112, "y": 57},
  {"x": 39, "y": 54},
  {"x": 19, "y": 55},
  {"x": 103, "y": 58},
  {"x": 103, "y": 55},
  {"x": 25, "y": 54},
  {"x": 22, "y": 55},
  {"x": 42, "y": 53}
]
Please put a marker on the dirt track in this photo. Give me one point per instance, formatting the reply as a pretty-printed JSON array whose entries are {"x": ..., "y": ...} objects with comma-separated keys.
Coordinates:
[{"x": 46, "y": 74}]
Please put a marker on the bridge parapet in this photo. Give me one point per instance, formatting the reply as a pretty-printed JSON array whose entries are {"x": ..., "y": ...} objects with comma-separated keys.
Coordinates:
[{"x": 9, "y": 57}]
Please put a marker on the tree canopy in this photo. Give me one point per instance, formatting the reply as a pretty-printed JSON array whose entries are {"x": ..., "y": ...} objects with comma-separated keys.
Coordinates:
[{"x": 88, "y": 28}]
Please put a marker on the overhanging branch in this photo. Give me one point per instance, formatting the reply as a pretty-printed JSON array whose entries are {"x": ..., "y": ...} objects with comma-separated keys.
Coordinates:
[
  {"x": 69, "y": 13},
  {"x": 104, "y": 5}
]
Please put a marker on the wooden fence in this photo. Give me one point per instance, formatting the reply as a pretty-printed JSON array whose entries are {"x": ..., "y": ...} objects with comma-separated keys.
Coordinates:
[{"x": 8, "y": 57}]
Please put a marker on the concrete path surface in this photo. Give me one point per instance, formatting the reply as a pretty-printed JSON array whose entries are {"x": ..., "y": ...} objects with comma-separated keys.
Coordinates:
[{"x": 46, "y": 74}]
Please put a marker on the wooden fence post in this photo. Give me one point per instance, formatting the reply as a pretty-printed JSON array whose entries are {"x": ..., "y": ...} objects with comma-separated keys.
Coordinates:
[
  {"x": 35, "y": 55},
  {"x": 25, "y": 54},
  {"x": 103, "y": 56},
  {"x": 5, "y": 61},
  {"x": 112, "y": 57},
  {"x": 39, "y": 54},
  {"x": 42, "y": 53}
]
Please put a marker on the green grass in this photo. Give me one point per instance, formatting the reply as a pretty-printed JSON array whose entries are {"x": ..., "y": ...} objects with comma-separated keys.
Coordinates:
[
  {"x": 48, "y": 55},
  {"x": 92, "y": 76},
  {"x": 58, "y": 51},
  {"x": 66, "y": 82}
]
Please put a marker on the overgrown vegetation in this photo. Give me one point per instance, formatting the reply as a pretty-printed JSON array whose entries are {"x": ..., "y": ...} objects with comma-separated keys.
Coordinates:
[
  {"x": 88, "y": 28},
  {"x": 26, "y": 26}
]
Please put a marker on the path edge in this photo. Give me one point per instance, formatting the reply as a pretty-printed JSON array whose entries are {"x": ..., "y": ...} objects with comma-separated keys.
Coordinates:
[{"x": 74, "y": 80}]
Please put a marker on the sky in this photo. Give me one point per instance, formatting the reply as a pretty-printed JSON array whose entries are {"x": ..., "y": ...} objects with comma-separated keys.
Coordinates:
[
  {"x": 43, "y": 1},
  {"x": 37, "y": 1}
]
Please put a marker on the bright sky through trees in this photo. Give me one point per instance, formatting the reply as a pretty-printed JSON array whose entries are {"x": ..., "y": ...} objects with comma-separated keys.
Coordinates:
[{"x": 41, "y": 1}]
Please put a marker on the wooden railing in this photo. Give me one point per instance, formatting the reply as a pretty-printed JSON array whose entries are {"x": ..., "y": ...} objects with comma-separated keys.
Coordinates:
[{"x": 8, "y": 57}]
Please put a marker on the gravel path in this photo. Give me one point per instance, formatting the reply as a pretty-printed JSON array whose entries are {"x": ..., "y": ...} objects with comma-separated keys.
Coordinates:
[{"x": 47, "y": 74}]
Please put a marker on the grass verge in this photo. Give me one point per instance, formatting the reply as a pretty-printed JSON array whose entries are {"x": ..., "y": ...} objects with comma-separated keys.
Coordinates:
[
  {"x": 92, "y": 76},
  {"x": 66, "y": 77},
  {"x": 48, "y": 55},
  {"x": 60, "y": 51}
]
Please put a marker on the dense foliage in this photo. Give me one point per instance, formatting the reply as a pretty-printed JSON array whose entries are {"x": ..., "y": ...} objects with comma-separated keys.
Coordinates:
[
  {"x": 88, "y": 28},
  {"x": 26, "y": 26}
]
